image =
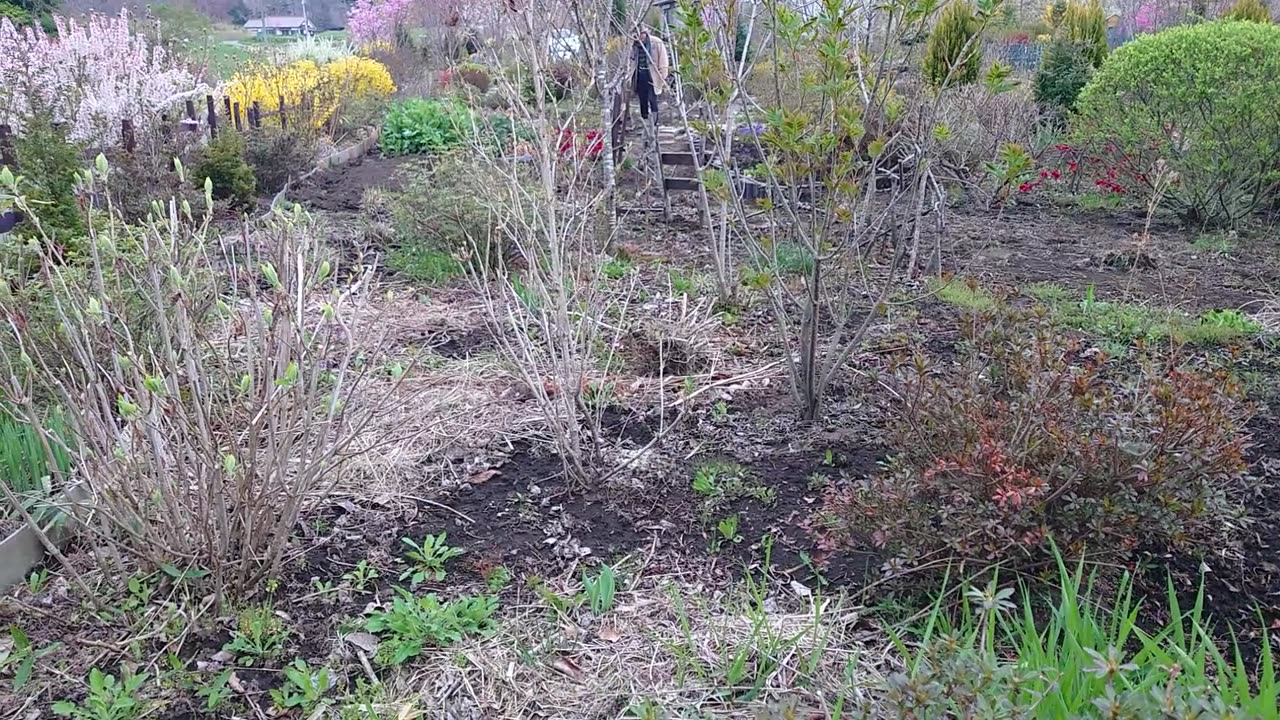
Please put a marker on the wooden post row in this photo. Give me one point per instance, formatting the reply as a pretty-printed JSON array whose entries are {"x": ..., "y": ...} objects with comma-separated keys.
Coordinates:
[{"x": 283, "y": 124}]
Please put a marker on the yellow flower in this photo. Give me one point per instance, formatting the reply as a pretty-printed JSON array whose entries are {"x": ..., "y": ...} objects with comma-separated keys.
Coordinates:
[{"x": 306, "y": 85}]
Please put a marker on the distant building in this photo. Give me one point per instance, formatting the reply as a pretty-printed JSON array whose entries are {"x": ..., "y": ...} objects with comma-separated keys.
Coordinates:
[{"x": 280, "y": 25}]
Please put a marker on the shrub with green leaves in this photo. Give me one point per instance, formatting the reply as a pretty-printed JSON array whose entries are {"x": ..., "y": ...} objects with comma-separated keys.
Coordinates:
[
  {"x": 50, "y": 163},
  {"x": 1249, "y": 10},
  {"x": 223, "y": 162},
  {"x": 954, "y": 54},
  {"x": 445, "y": 211},
  {"x": 1027, "y": 441},
  {"x": 1064, "y": 71},
  {"x": 419, "y": 125},
  {"x": 1200, "y": 101}
]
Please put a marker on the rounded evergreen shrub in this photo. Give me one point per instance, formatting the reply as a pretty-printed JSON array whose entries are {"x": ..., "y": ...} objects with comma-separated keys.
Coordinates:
[{"x": 1200, "y": 99}]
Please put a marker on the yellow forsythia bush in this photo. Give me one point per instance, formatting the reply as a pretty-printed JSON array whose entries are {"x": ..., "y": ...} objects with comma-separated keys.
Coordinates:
[{"x": 323, "y": 87}]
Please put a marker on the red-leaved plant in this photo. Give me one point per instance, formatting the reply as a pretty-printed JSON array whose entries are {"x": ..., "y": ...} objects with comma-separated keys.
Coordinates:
[{"x": 1030, "y": 439}]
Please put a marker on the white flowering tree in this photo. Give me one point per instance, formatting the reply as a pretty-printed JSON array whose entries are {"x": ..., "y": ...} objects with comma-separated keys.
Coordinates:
[{"x": 89, "y": 76}]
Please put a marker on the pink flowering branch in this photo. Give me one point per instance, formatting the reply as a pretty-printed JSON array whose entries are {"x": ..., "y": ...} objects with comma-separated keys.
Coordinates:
[{"x": 89, "y": 77}]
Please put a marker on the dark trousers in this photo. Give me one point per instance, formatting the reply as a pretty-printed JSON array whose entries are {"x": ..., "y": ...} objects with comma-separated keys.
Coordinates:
[{"x": 644, "y": 91}]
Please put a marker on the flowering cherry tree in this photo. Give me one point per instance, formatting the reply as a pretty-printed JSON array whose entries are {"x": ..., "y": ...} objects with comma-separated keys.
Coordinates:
[{"x": 89, "y": 76}]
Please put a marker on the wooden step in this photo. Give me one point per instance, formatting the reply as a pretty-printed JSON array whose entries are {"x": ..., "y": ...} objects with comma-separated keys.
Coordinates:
[
  {"x": 684, "y": 159},
  {"x": 681, "y": 184}
]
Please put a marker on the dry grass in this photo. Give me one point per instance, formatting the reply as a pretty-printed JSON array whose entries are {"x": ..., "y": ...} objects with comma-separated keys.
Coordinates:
[{"x": 670, "y": 645}]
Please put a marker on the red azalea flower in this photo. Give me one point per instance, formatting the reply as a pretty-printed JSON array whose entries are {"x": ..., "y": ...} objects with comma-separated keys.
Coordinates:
[
  {"x": 1063, "y": 148},
  {"x": 1057, "y": 174},
  {"x": 1025, "y": 187},
  {"x": 1044, "y": 174},
  {"x": 1071, "y": 166}
]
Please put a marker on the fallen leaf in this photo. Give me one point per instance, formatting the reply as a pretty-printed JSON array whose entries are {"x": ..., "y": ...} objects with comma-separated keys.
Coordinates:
[
  {"x": 222, "y": 657},
  {"x": 234, "y": 683},
  {"x": 800, "y": 590},
  {"x": 364, "y": 641},
  {"x": 609, "y": 634},
  {"x": 483, "y": 477},
  {"x": 567, "y": 667}
]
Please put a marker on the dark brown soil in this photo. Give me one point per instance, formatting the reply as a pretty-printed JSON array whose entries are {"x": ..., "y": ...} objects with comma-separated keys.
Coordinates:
[{"x": 341, "y": 190}]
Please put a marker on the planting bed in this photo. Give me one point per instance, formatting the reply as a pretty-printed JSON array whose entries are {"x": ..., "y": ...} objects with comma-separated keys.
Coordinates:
[{"x": 500, "y": 493}]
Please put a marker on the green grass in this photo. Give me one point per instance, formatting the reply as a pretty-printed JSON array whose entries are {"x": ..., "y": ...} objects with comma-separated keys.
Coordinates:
[
  {"x": 23, "y": 462},
  {"x": 1084, "y": 651},
  {"x": 225, "y": 58},
  {"x": 1213, "y": 244},
  {"x": 1120, "y": 322},
  {"x": 791, "y": 259},
  {"x": 616, "y": 268},
  {"x": 964, "y": 295},
  {"x": 424, "y": 264},
  {"x": 1047, "y": 292}
]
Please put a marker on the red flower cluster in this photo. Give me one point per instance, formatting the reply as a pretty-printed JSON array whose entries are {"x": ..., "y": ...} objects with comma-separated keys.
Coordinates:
[
  {"x": 590, "y": 146},
  {"x": 1109, "y": 175}
]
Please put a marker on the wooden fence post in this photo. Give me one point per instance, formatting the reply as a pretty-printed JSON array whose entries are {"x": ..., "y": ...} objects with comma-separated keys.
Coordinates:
[
  {"x": 191, "y": 124},
  {"x": 127, "y": 136},
  {"x": 166, "y": 130},
  {"x": 213, "y": 116},
  {"x": 7, "y": 154},
  {"x": 255, "y": 116},
  {"x": 235, "y": 116},
  {"x": 283, "y": 124}
]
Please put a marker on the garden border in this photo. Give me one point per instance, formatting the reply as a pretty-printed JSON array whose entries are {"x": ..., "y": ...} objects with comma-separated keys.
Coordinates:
[{"x": 23, "y": 549}]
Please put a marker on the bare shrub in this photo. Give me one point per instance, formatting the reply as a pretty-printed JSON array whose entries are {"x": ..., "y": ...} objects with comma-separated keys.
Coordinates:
[
  {"x": 979, "y": 121},
  {"x": 556, "y": 317},
  {"x": 197, "y": 440}
]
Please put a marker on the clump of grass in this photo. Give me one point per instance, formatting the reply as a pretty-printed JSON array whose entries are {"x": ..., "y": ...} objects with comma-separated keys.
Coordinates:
[
  {"x": 965, "y": 294},
  {"x": 1119, "y": 322},
  {"x": 1047, "y": 292},
  {"x": 792, "y": 259},
  {"x": 1087, "y": 654},
  {"x": 24, "y": 465},
  {"x": 1214, "y": 243},
  {"x": 424, "y": 264}
]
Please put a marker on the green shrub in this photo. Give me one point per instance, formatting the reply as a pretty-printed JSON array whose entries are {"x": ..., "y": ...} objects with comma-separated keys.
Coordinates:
[
  {"x": 1199, "y": 100},
  {"x": 954, "y": 53},
  {"x": 1064, "y": 71},
  {"x": 443, "y": 212},
  {"x": 425, "y": 126},
  {"x": 1026, "y": 442},
  {"x": 50, "y": 163},
  {"x": 1250, "y": 10},
  {"x": 1086, "y": 27},
  {"x": 223, "y": 163}
]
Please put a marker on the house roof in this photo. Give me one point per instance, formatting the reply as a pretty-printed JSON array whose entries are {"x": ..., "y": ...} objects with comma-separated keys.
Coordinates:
[{"x": 275, "y": 21}]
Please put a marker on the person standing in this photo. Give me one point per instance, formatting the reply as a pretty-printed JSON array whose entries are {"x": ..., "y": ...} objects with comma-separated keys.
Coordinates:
[{"x": 651, "y": 71}]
